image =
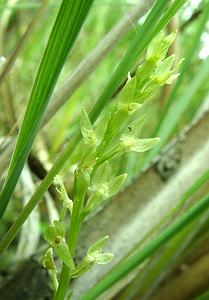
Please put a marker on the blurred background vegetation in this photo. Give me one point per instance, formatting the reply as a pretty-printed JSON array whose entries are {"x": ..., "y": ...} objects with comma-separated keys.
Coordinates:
[{"x": 192, "y": 94}]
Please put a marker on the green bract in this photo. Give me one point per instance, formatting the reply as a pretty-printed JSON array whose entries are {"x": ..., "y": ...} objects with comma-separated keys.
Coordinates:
[
  {"x": 129, "y": 143},
  {"x": 89, "y": 136},
  {"x": 48, "y": 263},
  {"x": 55, "y": 236},
  {"x": 158, "y": 49},
  {"x": 66, "y": 201},
  {"x": 94, "y": 255},
  {"x": 48, "y": 260}
]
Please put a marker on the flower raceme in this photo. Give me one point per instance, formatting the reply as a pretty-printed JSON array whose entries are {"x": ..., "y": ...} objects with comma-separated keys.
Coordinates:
[{"x": 117, "y": 132}]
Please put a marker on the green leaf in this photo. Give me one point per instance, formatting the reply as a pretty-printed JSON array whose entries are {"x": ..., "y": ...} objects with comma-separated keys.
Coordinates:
[
  {"x": 149, "y": 249},
  {"x": 151, "y": 27},
  {"x": 66, "y": 28},
  {"x": 145, "y": 34}
]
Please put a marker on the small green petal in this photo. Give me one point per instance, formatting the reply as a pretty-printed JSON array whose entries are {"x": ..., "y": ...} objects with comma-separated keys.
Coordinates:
[{"x": 98, "y": 246}]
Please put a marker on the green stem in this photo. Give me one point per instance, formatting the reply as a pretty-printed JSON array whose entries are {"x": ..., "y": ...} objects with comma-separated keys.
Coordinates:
[
  {"x": 148, "y": 250},
  {"x": 62, "y": 213},
  {"x": 63, "y": 283},
  {"x": 54, "y": 279},
  {"x": 139, "y": 44},
  {"x": 81, "y": 183}
]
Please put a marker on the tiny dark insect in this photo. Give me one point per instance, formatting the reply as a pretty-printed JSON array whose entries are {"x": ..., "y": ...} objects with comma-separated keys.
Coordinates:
[
  {"x": 57, "y": 240},
  {"x": 129, "y": 128}
]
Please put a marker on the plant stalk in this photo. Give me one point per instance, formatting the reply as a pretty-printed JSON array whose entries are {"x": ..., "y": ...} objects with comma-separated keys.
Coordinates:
[{"x": 136, "y": 49}]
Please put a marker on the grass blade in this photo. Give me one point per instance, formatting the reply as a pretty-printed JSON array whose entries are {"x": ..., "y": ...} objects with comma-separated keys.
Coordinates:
[
  {"x": 126, "y": 267},
  {"x": 124, "y": 67},
  {"x": 66, "y": 28}
]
